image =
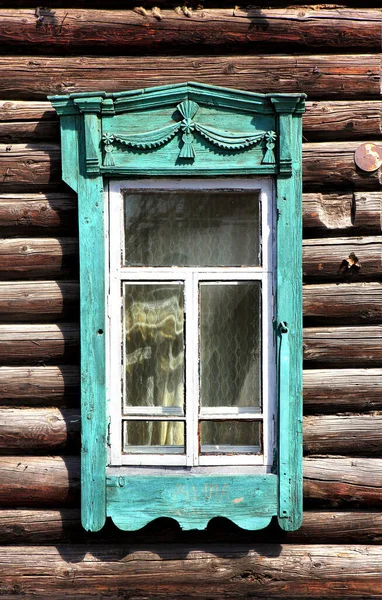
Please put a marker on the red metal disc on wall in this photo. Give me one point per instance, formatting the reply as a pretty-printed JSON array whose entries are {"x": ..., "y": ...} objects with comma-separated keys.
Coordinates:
[{"x": 368, "y": 157}]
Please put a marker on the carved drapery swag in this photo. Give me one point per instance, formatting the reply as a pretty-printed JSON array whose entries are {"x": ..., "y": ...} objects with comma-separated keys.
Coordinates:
[{"x": 223, "y": 139}]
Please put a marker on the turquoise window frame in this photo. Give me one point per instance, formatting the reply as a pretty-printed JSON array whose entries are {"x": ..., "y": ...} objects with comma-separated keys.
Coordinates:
[{"x": 186, "y": 130}]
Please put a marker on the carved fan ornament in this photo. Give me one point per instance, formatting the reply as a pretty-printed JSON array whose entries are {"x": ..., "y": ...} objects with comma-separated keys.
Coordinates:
[{"x": 226, "y": 140}]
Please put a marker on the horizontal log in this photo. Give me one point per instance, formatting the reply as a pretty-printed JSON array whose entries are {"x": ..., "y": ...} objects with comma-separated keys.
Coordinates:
[
  {"x": 349, "y": 303},
  {"x": 342, "y": 120},
  {"x": 14, "y": 132},
  {"x": 260, "y": 30},
  {"x": 27, "y": 167},
  {"x": 23, "y": 121},
  {"x": 336, "y": 304},
  {"x": 24, "y": 430},
  {"x": 357, "y": 435},
  {"x": 54, "y": 481},
  {"x": 39, "y": 481},
  {"x": 323, "y": 258},
  {"x": 343, "y": 346},
  {"x": 39, "y": 386},
  {"x": 33, "y": 344},
  {"x": 340, "y": 390},
  {"x": 44, "y": 526},
  {"x": 341, "y": 76},
  {"x": 352, "y": 213},
  {"x": 332, "y": 164},
  {"x": 38, "y": 300},
  {"x": 38, "y": 257},
  {"x": 219, "y": 571},
  {"x": 31, "y": 213},
  {"x": 339, "y": 481},
  {"x": 322, "y": 213}
]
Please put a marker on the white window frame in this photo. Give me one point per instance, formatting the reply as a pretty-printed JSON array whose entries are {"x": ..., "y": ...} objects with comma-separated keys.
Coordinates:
[{"x": 191, "y": 276}]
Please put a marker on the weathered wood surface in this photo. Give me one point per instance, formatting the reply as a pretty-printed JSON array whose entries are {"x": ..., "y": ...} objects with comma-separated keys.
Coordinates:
[
  {"x": 49, "y": 430},
  {"x": 38, "y": 300},
  {"x": 38, "y": 257},
  {"x": 36, "y": 167},
  {"x": 335, "y": 163},
  {"x": 52, "y": 429},
  {"x": 342, "y": 120},
  {"x": 38, "y": 344},
  {"x": 183, "y": 571},
  {"x": 54, "y": 481},
  {"x": 341, "y": 76},
  {"x": 322, "y": 258},
  {"x": 351, "y": 213},
  {"x": 341, "y": 390},
  {"x": 344, "y": 303},
  {"x": 27, "y": 167},
  {"x": 260, "y": 30},
  {"x": 21, "y": 214},
  {"x": 39, "y": 386},
  {"x": 357, "y": 346},
  {"x": 339, "y": 481},
  {"x": 24, "y": 121},
  {"x": 357, "y": 435},
  {"x": 44, "y": 526},
  {"x": 39, "y": 481}
]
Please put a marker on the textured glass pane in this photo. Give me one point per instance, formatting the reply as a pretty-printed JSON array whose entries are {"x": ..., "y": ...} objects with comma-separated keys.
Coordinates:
[
  {"x": 154, "y": 345},
  {"x": 192, "y": 228},
  {"x": 230, "y": 436},
  {"x": 230, "y": 344},
  {"x": 153, "y": 436}
]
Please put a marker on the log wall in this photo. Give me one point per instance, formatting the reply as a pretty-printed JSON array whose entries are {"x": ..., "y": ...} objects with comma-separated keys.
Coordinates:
[{"x": 331, "y": 52}]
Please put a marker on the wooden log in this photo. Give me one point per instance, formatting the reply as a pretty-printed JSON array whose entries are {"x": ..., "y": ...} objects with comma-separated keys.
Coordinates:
[
  {"x": 38, "y": 257},
  {"x": 44, "y": 526},
  {"x": 340, "y": 390},
  {"x": 335, "y": 163},
  {"x": 322, "y": 121},
  {"x": 323, "y": 258},
  {"x": 339, "y": 481},
  {"x": 219, "y": 571},
  {"x": 38, "y": 300},
  {"x": 24, "y": 430},
  {"x": 20, "y": 110},
  {"x": 40, "y": 386},
  {"x": 357, "y": 435},
  {"x": 343, "y": 346},
  {"x": 354, "y": 213},
  {"x": 31, "y": 213},
  {"x": 24, "y": 167},
  {"x": 344, "y": 303},
  {"x": 52, "y": 429},
  {"x": 29, "y": 131},
  {"x": 34, "y": 344},
  {"x": 340, "y": 76},
  {"x": 342, "y": 120},
  {"x": 261, "y": 30},
  {"x": 29, "y": 167},
  {"x": 39, "y": 481}
]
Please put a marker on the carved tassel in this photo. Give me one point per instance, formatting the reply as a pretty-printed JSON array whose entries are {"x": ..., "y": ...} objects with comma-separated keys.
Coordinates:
[
  {"x": 269, "y": 156},
  {"x": 187, "y": 150}
]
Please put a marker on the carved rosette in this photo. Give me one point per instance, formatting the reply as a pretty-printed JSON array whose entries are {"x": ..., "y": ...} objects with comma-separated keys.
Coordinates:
[{"x": 188, "y": 127}]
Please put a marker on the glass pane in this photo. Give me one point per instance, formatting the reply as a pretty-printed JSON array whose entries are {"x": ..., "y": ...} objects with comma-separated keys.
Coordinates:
[
  {"x": 153, "y": 436},
  {"x": 229, "y": 436},
  {"x": 230, "y": 344},
  {"x": 154, "y": 345},
  {"x": 192, "y": 228}
]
